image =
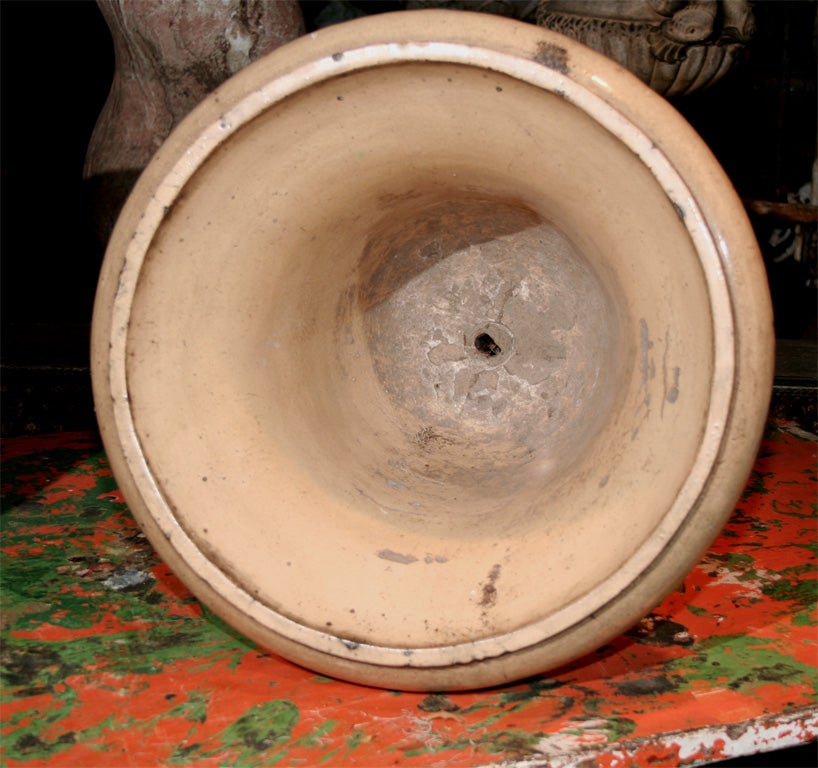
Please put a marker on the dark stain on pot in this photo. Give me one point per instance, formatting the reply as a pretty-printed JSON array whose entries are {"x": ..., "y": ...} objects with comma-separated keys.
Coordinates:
[
  {"x": 489, "y": 589},
  {"x": 673, "y": 393},
  {"x": 169, "y": 210},
  {"x": 428, "y": 438},
  {"x": 337, "y": 56},
  {"x": 680, "y": 212},
  {"x": 552, "y": 56},
  {"x": 396, "y": 557},
  {"x": 390, "y": 198}
]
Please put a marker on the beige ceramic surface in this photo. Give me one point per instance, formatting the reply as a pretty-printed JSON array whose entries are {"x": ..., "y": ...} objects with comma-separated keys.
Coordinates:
[{"x": 432, "y": 350}]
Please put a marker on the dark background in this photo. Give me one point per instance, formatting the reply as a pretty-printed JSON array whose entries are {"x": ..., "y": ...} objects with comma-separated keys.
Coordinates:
[{"x": 56, "y": 64}]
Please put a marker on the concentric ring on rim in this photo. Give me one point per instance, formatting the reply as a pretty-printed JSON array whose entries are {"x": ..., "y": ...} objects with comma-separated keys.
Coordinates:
[{"x": 550, "y": 79}]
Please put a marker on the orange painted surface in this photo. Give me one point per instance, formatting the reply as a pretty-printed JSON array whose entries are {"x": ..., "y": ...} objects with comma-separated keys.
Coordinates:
[{"x": 108, "y": 660}]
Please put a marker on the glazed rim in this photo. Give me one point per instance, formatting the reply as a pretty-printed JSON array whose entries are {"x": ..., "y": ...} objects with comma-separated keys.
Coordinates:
[{"x": 552, "y": 77}]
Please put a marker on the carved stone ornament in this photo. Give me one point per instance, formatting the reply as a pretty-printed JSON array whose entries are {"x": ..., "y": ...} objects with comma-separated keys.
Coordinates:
[
  {"x": 169, "y": 55},
  {"x": 675, "y": 46}
]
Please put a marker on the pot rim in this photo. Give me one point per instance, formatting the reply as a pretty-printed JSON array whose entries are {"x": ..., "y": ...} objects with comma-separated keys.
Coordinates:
[{"x": 641, "y": 120}]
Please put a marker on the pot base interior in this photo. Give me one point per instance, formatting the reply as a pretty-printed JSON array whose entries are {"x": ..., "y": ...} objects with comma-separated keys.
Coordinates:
[
  {"x": 403, "y": 373},
  {"x": 496, "y": 345}
]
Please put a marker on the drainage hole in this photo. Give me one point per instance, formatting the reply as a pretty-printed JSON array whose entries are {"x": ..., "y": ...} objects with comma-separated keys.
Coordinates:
[{"x": 486, "y": 345}]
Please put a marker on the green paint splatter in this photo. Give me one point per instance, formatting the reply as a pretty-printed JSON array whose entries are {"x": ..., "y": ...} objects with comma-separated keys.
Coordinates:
[
  {"x": 793, "y": 508},
  {"x": 513, "y": 741},
  {"x": 355, "y": 739},
  {"x": 194, "y": 709},
  {"x": 27, "y": 744},
  {"x": 533, "y": 690},
  {"x": 757, "y": 483},
  {"x": 30, "y": 746},
  {"x": 438, "y": 702},
  {"x": 740, "y": 662},
  {"x": 26, "y": 664},
  {"x": 734, "y": 560},
  {"x": 260, "y": 728},
  {"x": 315, "y": 737},
  {"x": 619, "y": 728},
  {"x": 805, "y": 619},
  {"x": 490, "y": 720},
  {"x": 249, "y": 739},
  {"x": 793, "y": 587},
  {"x": 591, "y": 705},
  {"x": 811, "y": 545},
  {"x": 34, "y": 474}
]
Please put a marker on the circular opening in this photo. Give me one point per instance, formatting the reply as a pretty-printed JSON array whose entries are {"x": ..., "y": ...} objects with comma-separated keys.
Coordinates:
[
  {"x": 486, "y": 345},
  {"x": 441, "y": 385},
  {"x": 495, "y": 341},
  {"x": 493, "y": 344}
]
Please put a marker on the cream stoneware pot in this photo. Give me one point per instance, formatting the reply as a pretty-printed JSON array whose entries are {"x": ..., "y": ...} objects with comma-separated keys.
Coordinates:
[{"x": 432, "y": 350}]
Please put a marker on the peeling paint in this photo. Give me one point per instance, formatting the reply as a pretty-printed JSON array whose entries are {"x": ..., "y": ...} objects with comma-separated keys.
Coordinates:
[{"x": 725, "y": 666}]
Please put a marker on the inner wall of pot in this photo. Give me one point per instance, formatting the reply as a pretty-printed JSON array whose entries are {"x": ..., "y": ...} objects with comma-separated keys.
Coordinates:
[{"x": 420, "y": 355}]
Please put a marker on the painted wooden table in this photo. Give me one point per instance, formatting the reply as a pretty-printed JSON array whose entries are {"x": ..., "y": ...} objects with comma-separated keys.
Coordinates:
[{"x": 108, "y": 660}]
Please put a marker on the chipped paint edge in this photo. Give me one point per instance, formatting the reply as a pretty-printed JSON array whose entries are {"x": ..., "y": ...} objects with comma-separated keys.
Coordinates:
[{"x": 700, "y": 746}]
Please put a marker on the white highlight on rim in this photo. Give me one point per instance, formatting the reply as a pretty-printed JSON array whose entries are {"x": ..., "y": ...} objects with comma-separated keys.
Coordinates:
[{"x": 535, "y": 74}]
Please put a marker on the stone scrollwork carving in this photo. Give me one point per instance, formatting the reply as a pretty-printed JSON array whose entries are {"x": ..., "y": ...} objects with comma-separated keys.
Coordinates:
[{"x": 675, "y": 46}]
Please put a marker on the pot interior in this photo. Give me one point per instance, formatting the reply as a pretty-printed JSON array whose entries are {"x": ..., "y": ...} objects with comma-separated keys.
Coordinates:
[{"x": 421, "y": 355}]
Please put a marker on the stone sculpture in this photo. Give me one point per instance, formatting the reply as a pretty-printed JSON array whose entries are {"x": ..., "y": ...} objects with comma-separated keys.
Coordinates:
[
  {"x": 675, "y": 46},
  {"x": 169, "y": 55}
]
